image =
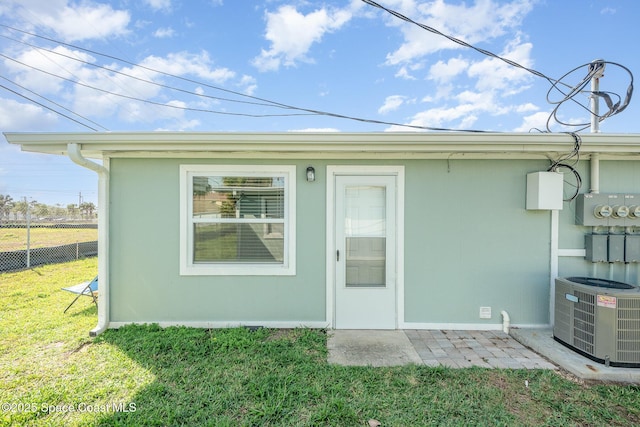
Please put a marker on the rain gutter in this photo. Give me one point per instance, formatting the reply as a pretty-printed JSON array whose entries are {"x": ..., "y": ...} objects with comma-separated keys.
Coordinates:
[{"x": 75, "y": 154}]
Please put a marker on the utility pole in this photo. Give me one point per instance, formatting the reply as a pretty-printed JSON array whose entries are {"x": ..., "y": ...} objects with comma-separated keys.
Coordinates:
[{"x": 597, "y": 68}]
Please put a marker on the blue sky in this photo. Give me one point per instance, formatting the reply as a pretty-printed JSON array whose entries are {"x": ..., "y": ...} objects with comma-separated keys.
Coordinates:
[{"x": 147, "y": 65}]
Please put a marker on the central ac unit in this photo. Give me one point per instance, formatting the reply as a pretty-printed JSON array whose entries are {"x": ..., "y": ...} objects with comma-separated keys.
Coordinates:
[{"x": 599, "y": 318}]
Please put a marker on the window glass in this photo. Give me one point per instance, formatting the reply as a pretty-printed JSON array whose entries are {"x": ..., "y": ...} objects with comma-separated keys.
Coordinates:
[
  {"x": 238, "y": 197},
  {"x": 238, "y": 219},
  {"x": 239, "y": 242}
]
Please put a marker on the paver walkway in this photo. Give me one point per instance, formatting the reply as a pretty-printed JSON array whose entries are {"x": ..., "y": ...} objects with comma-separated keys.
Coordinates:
[
  {"x": 463, "y": 349},
  {"x": 456, "y": 349}
]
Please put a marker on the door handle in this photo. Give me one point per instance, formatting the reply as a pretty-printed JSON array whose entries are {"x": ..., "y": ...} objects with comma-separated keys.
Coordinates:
[{"x": 338, "y": 255}]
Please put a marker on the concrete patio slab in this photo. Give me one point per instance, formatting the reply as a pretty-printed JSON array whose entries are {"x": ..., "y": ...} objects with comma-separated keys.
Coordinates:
[
  {"x": 541, "y": 341},
  {"x": 370, "y": 348}
]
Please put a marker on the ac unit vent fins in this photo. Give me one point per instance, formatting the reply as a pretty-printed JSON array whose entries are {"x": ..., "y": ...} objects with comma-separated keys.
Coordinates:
[
  {"x": 629, "y": 330},
  {"x": 583, "y": 324}
]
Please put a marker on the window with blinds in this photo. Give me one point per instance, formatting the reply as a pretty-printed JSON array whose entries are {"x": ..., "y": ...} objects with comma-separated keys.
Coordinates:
[{"x": 239, "y": 219}]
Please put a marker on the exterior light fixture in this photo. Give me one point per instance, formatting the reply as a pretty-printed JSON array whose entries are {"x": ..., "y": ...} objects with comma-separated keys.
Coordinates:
[{"x": 311, "y": 174}]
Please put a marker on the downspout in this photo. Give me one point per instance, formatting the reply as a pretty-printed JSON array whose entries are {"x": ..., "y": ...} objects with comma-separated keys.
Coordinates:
[{"x": 74, "y": 153}]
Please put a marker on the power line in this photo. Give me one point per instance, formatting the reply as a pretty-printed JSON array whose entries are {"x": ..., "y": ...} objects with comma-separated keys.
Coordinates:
[
  {"x": 48, "y": 108},
  {"x": 53, "y": 102},
  {"x": 593, "y": 68},
  {"x": 201, "y": 110},
  {"x": 270, "y": 104},
  {"x": 264, "y": 100},
  {"x": 458, "y": 41}
]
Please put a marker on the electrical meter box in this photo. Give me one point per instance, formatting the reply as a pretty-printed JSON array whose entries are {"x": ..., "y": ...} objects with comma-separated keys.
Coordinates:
[
  {"x": 616, "y": 248},
  {"x": 608, "y": 210},
  {"x": 632, "y": 248},
  {"x": 596, "y": 247},
  {"x": 545, "y": 191}
]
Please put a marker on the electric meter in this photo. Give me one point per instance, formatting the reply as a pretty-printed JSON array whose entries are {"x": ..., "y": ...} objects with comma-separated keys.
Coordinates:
[
  {"x": 603, "y": 211},
  {"x": 620, "y": 211}
]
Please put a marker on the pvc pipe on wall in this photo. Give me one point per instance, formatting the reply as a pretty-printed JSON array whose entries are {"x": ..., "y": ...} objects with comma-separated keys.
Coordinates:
[
  {"x": 595, "y": 173},
  {"x": 506, "y": 322}
]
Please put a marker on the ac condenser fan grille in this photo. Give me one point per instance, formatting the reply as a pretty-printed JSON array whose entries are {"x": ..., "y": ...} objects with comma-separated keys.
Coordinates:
[
  {"x": 584, "y": 322},
  {"x": 628, "y": 330}
]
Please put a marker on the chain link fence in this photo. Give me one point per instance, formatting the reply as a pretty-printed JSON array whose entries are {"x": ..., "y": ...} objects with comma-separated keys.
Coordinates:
[{"x": 25, "y": 244}]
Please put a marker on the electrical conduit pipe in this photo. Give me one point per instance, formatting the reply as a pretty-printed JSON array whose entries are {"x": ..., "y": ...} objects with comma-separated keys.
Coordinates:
[
  {"x": 594, "y": 163},
  {"x": 75, "y": 154}
]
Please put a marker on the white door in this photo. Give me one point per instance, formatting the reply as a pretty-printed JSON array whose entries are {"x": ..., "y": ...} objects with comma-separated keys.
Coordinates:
[{"x": 365, "y": 239}]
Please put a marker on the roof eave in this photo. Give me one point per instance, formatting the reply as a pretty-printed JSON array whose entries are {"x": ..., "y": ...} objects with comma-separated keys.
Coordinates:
[{"x": 98, "y": 143}]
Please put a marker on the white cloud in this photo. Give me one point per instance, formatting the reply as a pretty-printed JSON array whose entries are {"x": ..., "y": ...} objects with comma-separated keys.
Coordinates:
[
  {"x": 163, "y": 33},
  {"x": 403, "y": 73},
  {"x": 532, "y": 122},
  {"x": 59, "y": 64},
  {"x": 248, "y": 84},
  {"x": 494, "y": 74},
  {"x": 443, "y": 72},
  {"x": 18, "y": 116},
  {"x": 292, "y": 34},
  {"x": 458, "y": 117},
  {"x": 183, "y": 63},
  {"x": 391, "y": 103},
  {"x": 159, "y": 4},
  {"x": 482, "y": 21},
  {"x": 526, "y": 108},
  {"x": 75, "y": 22},
  {"x": 464, "y": 89}
]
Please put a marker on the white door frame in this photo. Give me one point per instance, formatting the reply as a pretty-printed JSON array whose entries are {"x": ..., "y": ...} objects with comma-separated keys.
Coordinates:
[{"x": 330, "y": 256}]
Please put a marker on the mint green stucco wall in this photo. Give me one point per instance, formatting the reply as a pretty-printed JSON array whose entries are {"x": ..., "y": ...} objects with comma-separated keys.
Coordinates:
[
  {"x": 145, "y": 282},
  {"x": 469, "y": 242}
]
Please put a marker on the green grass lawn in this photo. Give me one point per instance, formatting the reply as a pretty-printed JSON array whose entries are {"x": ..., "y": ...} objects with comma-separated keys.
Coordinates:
[
  {"x": 52, "y": 373},
  {"x": 15, "y": 239}
]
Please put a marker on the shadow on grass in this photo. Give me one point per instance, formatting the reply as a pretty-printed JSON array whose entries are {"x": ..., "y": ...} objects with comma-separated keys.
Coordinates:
[
  {"x": 228, "y": 377},
  {"x": 89, "y": 311}
]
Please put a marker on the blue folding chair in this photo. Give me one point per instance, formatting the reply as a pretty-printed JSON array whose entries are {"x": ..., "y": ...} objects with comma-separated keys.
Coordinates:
[{"x": 89, "y": 289}]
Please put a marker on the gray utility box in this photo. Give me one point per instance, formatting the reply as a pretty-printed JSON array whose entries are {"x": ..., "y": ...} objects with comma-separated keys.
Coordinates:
[
  {"x": 632, "y": 248},
  {"x": 612, "y": 247},
  {"x": 596, "y": 247},
  {"x": 616, "y": 247},
  {"x": 608, "y": 209}
]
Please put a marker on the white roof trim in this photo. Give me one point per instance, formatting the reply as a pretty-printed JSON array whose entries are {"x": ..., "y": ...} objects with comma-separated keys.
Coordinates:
[{"x": 98, "y": 144}]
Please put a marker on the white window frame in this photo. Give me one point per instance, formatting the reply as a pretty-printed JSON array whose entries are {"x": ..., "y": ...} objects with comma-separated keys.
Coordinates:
[{"x": 189, "y": 268}]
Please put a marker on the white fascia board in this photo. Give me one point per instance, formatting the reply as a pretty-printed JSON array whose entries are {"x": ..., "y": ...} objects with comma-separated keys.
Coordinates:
[{"x": 98, "y": 143}]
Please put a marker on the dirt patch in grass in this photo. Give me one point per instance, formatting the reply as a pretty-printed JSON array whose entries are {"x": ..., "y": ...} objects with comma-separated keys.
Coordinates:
[
  {"x": 281, "y": 334},
  {"x": 516, "y": 397}
]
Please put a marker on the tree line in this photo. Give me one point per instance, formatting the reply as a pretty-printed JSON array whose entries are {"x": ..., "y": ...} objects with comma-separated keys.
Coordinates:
[{"x": 16, "y": 210}]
